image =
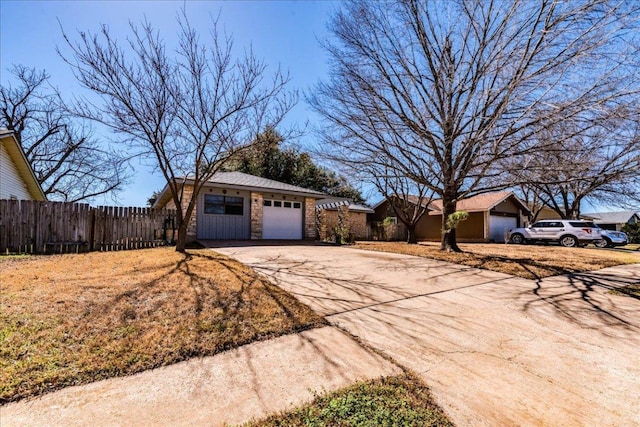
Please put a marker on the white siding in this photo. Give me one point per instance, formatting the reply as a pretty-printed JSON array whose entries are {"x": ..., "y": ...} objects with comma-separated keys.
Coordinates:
[{"x": 11, "y": 185}]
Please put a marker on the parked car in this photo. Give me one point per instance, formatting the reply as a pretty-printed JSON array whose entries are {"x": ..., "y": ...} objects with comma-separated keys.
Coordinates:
[
  {"x": 568, "y": 233},
  {"x": 611, "y": 239}
]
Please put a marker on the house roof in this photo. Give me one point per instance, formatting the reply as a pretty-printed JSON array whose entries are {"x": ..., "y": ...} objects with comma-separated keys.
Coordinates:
[
  {"x": 244, "y": 181},
  {"x": 410, "y": 198},
  {"x": 621, "y": 217},
  {"x": 479, "y": 203},
  {"x": 335, "y": 203},
  {"x": 22, "y": 164}
]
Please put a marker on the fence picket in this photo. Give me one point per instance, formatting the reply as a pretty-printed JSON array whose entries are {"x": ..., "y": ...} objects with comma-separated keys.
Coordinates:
[{"x": 39, "y": 227}]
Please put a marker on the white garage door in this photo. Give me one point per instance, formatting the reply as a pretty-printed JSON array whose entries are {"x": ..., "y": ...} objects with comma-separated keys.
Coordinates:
[
  {"x": 281, "y": 220},
  {"x": 499, "y": 226}
]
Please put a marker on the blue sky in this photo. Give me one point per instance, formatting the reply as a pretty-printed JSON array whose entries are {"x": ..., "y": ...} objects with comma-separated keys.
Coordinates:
[{"x": 283, "y": 33}]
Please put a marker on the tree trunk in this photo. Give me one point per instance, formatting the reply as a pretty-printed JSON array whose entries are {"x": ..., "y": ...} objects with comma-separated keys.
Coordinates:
[
  {"x": 182, "y": 238},
  {"x": 412, "y": 238},
  {"x": 448, "y": 242}
]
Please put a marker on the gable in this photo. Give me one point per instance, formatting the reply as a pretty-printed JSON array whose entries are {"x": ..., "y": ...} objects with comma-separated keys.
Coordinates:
[
  {"x": 17, "y": 180},
  {"x": 504, "y": 201}
]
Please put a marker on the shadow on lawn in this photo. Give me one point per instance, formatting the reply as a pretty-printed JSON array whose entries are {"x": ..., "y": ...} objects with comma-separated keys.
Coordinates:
[{"x": 157, "y": 322}]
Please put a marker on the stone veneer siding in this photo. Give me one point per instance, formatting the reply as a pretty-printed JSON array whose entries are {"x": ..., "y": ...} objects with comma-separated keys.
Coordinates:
[
  {"x": 193, "y": 222},
  {"x": 309, "y": 218},
  {"x": 256, "y": 215}
]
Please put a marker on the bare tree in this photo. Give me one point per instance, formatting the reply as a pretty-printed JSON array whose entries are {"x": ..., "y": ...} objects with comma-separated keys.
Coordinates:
[
  {"x": 68, "y": 162},
  {"x": 593, "y": 159},
  {"x": 409, "y": 200},
  {"x": 189, "y": 112},
  {"x": 449, "y": 89}
]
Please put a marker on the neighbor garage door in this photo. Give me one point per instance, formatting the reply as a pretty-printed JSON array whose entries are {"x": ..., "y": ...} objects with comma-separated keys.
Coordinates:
[
  {"x": 499, "y": 226},
  {"x": 281, "y": 220}
]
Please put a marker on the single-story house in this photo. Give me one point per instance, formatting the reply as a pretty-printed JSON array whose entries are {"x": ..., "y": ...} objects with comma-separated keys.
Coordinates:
[
  {"x": 357, "y": 224},
  {"x": 239, "y": 206},
  {"x": 614, "y": 220},
  {"x": 491, "y": 216},
  {"x": 548, "y": 213},
  {"x": 17, "y": 179}
]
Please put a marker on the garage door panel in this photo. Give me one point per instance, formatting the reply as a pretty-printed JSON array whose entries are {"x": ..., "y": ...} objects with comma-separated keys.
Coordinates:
[
  {"x": 499, "y": 226},
  {"x": 280, "y": 222}
]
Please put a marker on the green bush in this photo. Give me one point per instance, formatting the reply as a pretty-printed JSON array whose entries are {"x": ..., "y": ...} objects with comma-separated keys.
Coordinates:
[{"x": 633, "y": 232}]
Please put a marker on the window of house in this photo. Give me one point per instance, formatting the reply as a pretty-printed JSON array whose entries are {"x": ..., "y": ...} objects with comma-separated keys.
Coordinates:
[
  {"x": 277, "y": 203},
  {"x": 287, "y": 204},
  {"x": 297, "y": 205},
  {"x": 267, "y": 203},
  {"x": 223, "y": 205}
]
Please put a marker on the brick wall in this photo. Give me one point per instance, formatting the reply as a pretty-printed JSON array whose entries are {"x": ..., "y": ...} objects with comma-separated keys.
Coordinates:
[{"x": 356, "y": 222}]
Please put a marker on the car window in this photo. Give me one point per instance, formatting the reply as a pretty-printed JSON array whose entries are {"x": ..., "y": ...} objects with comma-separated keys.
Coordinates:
[
  {"x": 580, "y": 224},
  {"x": 555, "y": 224},
  {"x": 540, "y": 224}
]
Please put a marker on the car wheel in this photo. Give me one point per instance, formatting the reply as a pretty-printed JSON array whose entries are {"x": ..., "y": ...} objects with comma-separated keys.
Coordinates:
[
  {"x": 568, "y": 241},
  {"x": 517, "y": 238},
  {"x": 602, "y": 243}
]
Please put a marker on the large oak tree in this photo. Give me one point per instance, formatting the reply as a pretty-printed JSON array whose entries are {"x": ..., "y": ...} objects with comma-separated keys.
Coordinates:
[{"x": 443, "y": 92}]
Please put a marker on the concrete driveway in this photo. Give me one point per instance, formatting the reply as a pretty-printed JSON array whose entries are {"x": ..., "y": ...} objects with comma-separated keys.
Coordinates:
[{"x": 495, "y": 350}]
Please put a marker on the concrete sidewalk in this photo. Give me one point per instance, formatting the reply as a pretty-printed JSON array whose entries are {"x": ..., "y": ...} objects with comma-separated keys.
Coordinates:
[{"x": 230, "y": 388}]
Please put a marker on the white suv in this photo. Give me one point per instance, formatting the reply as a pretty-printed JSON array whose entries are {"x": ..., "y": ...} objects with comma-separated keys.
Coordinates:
[{"x": 569, "y": 233}]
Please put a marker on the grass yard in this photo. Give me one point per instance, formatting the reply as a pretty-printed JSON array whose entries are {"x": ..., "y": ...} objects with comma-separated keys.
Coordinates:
[
  {"x": 528, "y": 261},
  {"x": 393, "y": 401},
  {"x": 73, "y": 319}
]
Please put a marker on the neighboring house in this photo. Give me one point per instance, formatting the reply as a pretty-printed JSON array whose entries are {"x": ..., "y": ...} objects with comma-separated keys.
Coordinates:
[
  {"x": 17, "y": 180},
  {"x": 491, "y": 216},
  {"x": 614, "y": 220},
  {"x": 547, "y": 213},
  {"x": 239, "y": 206},
  {"x": 356, "y": 217}
]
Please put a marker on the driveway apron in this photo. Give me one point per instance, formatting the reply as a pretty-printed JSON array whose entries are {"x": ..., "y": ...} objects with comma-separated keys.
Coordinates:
[{"x": 495, "y": 349}]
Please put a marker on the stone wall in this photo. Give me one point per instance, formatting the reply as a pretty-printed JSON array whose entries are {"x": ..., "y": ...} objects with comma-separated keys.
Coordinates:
[
  {"x": 310, "y": 218},
  {"x": 193, "y": 222},
  {"x": 256, "y": 215}
]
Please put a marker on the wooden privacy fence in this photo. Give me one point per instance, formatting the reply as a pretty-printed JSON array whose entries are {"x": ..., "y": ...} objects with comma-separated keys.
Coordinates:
[{"x": 34, "y": 227}]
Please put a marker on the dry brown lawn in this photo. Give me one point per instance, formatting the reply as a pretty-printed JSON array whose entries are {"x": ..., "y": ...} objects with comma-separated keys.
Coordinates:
[
  {"x": 73, "y": 319},
  {"x": 528, "y": 261}
]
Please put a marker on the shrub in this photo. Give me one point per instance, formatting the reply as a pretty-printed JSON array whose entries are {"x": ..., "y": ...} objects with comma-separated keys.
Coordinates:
[{"x": 633, "y": 232}]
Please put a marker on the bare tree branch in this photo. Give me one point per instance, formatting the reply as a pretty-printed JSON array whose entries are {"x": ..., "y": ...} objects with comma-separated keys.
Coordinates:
[
  {"x": 444, "y": 93},
  {"x": 189, "y": 112},
  {"x": 68, "y": 162}
]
